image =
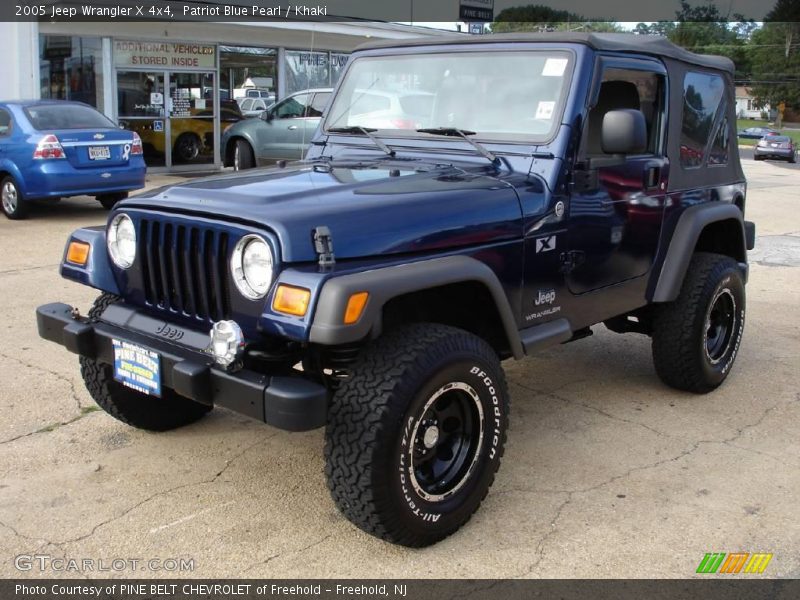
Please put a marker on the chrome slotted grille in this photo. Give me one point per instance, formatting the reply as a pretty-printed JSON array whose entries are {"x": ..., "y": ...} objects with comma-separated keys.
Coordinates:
[{"x": 185, "y": 269}]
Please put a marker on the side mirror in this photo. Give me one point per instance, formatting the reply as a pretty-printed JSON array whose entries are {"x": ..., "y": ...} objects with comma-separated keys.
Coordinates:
[
  {"x": 268, "y": 116},
  {"x": 624, "y": 132}
]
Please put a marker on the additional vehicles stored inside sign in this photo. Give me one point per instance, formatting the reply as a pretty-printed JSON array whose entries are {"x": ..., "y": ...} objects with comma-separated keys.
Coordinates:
[{"x": 374, "y": 287}]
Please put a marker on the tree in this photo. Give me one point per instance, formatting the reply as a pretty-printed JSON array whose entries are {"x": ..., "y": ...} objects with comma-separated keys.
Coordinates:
[
  {"x": 543, "y": 18},
  {"x": 775, "y": 56}
]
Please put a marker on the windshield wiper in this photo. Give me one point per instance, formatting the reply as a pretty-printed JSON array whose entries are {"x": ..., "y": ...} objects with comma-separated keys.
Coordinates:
[
  {"x": 462, "y": 133},
  {"x": 367, "y": 131}
]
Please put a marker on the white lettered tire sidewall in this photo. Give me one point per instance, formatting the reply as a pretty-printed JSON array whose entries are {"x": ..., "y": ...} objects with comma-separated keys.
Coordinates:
[{"x": 418, "y": 512}]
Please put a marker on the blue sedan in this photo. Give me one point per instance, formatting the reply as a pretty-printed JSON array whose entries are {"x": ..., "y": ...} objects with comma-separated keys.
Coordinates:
[{"x": 53, "y": 149}]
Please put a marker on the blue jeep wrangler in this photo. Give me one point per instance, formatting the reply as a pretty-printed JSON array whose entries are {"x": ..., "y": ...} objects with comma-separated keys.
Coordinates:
[{"x": 464, "y": 201}]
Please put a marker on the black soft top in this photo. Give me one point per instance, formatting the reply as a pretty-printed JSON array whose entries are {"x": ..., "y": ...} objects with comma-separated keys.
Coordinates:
[{"x": 612, "y": 42}]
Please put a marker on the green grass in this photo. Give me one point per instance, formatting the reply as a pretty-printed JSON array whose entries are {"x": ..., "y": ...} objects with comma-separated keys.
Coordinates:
[{"x": 745, "y": 123}]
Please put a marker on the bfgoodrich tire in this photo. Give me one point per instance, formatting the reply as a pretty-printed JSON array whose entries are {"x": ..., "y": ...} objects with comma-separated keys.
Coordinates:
[
  {"x": 696, "y": 337},
  {"x": 129, "y": 406},
  {"x": 109, "y": 201},
  {"x": 416, "y": 433}
]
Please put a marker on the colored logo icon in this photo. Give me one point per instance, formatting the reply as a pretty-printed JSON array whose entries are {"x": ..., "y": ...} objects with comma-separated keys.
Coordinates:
[{"x": 735, "y": 562}]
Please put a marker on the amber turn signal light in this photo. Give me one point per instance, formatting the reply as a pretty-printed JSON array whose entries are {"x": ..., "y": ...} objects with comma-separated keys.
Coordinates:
[
  {"x": 291, "y": 300},
  {"x": 78, "y": 253},
  {"x": 355, "y": 306}
]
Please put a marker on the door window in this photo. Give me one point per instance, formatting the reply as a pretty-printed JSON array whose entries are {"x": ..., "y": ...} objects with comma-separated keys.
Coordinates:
[
  {"x": 247, "y": 104},
  {"x": 628, "y": 88},
  {"x": 702, "y": 101},
  {"x": 292, "y": 108},
  {"x": 318, "y": 104}
]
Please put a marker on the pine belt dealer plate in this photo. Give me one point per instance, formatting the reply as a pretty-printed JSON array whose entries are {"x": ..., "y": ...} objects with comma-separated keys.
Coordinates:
[{"x": 137, "y": 367}]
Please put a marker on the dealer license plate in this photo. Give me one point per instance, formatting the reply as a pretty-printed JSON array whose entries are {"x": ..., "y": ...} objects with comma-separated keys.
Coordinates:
[
  {"x": 99, "y": 152},
  {"x": 137, "y": 367}
]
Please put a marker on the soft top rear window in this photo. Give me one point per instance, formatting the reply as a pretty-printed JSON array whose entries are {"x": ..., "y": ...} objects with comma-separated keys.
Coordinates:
[{"x": 66, "y": 116}]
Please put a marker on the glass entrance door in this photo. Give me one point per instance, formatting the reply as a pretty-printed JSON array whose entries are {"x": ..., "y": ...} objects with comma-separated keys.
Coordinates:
[
  {"x": 175, "y": 115},
  {"x": 192, "y": 118},
  {"x": 141, "y": 101}
]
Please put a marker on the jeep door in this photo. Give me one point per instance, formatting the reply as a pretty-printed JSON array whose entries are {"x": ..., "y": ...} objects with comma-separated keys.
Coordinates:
[{"x": 616, "y": 211}]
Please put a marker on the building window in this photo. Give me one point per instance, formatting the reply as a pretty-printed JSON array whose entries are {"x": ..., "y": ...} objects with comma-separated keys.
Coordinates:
[
  {"x": 247, "y": 72},
  {"x": 305, "y": 70},
  {"x": 71, "y": 68},
  {"x": 702, "y": 100}
]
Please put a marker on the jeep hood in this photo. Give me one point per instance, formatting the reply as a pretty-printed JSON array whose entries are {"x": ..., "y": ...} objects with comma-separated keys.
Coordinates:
[{"x": 371, "y": 208}]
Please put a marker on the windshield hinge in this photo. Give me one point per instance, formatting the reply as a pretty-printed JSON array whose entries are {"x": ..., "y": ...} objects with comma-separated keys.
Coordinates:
[{"x": 323, "y": 246}]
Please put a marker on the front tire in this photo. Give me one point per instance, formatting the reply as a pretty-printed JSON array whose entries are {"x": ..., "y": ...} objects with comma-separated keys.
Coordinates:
[
  {"x": 14, "y": 205},
  {"x": 129, "y": 406},
  {"x": 696, "y": 337},
  {"x": 243, "y": 156},
  {"x": 416, "y": 433},
  {"x": 109, "y": 201}
]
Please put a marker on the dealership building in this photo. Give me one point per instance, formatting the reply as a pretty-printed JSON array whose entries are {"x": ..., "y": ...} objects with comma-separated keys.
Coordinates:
[{"x": 176, "y": 82}]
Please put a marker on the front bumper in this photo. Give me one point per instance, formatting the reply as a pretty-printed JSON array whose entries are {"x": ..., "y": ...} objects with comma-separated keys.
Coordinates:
[{"x": 290, "y": 403}]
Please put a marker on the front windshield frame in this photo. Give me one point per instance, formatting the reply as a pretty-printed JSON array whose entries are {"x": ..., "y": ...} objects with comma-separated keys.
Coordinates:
[{"x": 524, "y": 138}]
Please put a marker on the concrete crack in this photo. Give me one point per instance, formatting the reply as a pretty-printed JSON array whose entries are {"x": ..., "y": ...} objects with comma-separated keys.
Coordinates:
[
  {"x": 130, "y": 509},
  {"x": 289, "y": 553},
  {"x": 557, "y": 396},
  {"x": 23, "y": 269},
  {"x": 87, "y": 410},
  {"x": 540, "y": 549},
  {"x": 55, "y": 374}
]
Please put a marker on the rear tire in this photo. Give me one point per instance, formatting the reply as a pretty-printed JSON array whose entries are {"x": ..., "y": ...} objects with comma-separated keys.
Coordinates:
[
  {"x": 109, "y": 201},
  {"x": 14, "y": 205},
  {"x": 187, "y": 147},
  {"x": 416, "y": 433},
  {"x": 129, "y": 406},
  {"x": 696, "y": 337},
  {"x": 243, "y": 156}
]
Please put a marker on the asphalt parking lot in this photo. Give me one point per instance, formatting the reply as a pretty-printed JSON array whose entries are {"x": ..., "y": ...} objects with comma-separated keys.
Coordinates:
[{"x": 607, "y": 472}]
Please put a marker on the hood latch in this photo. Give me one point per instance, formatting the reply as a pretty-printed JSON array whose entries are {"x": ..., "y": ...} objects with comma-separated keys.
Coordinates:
[{"x": 323, "y": 246}]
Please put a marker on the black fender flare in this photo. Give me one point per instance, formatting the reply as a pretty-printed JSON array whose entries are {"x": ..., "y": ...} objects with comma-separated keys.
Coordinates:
[
  {"x": 385, "y": 283},
  {"x": 687, "y": 231}
]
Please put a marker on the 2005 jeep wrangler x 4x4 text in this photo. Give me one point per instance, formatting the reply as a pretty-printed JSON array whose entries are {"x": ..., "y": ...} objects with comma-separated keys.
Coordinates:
[{"x": 515, "y": 191}]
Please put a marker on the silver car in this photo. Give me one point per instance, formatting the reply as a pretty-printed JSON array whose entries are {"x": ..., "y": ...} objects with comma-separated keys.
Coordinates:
[{"x": 283, "y": 131}]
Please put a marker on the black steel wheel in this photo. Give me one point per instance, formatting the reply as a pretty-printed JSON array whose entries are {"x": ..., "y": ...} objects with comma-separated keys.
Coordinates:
[
  {"x": 447, "y": 439},
  {"x": 696, "y": 338},
  {"x": 720, "y": 325},
  {"x": 416, "y": 432}
]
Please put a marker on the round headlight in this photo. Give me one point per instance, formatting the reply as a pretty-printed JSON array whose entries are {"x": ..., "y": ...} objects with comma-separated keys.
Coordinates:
[
  {"x": 251, "y": 265},
  {"x": 121, "y": 240}
]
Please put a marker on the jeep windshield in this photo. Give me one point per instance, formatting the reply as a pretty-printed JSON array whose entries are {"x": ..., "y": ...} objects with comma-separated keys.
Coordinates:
[{"x": 513, "y": 96}]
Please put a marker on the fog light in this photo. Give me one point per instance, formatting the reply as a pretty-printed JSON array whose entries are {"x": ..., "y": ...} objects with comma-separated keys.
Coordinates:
[{"x": 227, "y": 342}]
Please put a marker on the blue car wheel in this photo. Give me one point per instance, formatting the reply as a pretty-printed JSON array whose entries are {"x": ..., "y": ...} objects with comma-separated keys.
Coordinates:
[{"x": 14, "y": 206}]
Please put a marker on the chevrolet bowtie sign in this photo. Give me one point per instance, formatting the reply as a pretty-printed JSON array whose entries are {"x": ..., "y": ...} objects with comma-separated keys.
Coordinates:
[{"x": 476, "y": 10}]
